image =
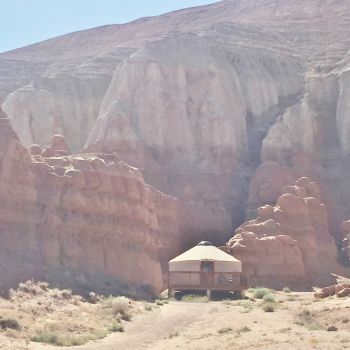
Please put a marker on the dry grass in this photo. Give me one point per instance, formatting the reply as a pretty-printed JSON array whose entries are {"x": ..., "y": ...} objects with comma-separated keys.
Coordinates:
[
  {"x": 269, "y": 298},
  {"x": 224, "y": 330},
  {"x": 259, "y": 292},
  {"x": 269, "y": 307},
  {"x": 37, "y": 313},
  {"x": 308, "y": 319}
]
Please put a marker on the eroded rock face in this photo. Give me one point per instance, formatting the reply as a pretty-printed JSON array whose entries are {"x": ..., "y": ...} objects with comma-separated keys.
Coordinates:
[
  {"x": 345, "y": 239},
  {"x": 83, "y": 215},
  {"x": 270, "y": 83},
  {"x": 220, "y": 106},
  {"x": 289, "y": 242},
  {"x": 310, "y": 139},
  {"x": 187, "y": 126},
  {"x": 272, "y": 260}
]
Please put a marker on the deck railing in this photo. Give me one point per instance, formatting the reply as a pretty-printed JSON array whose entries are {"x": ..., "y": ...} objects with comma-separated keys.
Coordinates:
[{"x": 207, "y": 280}]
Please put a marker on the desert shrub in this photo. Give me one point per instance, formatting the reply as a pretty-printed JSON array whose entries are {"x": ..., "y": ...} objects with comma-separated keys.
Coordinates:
[
  {"x": 286, "y": 290},
  {"x": 9, "y": 323},
  {"x": 260, "y": 292},
  {"x": 47, "y": 338},
  {"x": 126, "y": 316},
  {"x": 67, "y": 339},
  {"x": 285, "y": 330},
  {"x": 116, "y": 327},
  {"x": 148, "y": 308},
  {"x": 120, "y": 306},
  {"x": 93, "y": 298},
  {"x": 225, "y": 330},
  {"x": 43, "y": 285},
  {"x": 33, "y": 288},
  {"x": 247, "y": 305},
  {"x": 269, "y": 307},
  {"x": 244, "y": 329},
  {"x": 174, "y": 334},
  {"x": 66, "y": 294},
  {"x": 307, "y": 319},
  {"x": 269, "y": 298}
]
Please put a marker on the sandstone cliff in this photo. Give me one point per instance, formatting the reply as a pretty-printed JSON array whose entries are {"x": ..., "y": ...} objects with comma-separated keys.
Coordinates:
[
  {"x": 218, "y": 106},
  {"x": 92, "y": 221},
  {"x": 289, "y": 243},
  {"x": 269, "y": 83}
]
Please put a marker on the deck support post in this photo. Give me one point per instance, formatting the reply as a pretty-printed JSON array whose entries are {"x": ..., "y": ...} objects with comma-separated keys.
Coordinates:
[{"x": 209, "y": 294}]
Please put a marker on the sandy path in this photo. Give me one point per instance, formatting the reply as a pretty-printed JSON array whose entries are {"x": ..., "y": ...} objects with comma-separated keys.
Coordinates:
[
  {"x": 196, "y": 326},
  {"x": 147, "y": 329}
]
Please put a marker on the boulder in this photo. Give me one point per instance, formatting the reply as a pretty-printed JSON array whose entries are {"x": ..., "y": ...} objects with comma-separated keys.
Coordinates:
[{"x": 345, "y": 292}]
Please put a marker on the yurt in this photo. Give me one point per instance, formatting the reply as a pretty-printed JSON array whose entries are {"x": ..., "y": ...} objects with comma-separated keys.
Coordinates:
[{"x": 206, "y": 267}]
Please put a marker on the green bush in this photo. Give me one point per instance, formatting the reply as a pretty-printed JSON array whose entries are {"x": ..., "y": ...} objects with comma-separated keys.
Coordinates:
[
  {"x": 260, "y": 292},
  {"x": 269, "y": 298}
]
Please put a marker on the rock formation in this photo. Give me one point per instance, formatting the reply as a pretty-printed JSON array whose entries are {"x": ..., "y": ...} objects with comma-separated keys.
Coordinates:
[
  {"x": 81, "y": 215},
  {"x": 218, "y": 106},
  {"x": 269, "y": 84},
  {"x": 340, "y": 290},
  {"x": 288, "y": 243},
  {"x": 344, "y": 245}
]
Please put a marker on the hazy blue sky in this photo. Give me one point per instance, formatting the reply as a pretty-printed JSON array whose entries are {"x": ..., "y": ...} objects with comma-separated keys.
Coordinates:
[{"x": 23, "y": 22}]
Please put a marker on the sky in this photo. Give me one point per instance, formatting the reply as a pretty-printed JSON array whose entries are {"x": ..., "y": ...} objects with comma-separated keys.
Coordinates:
[{"x": 24, "y": 22}]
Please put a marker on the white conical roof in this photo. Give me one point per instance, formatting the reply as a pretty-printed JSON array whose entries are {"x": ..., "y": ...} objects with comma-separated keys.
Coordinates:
[{"x": 204, "y": 252}]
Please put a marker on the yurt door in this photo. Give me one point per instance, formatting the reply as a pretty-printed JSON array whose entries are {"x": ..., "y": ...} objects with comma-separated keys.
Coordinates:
[{"x": 207, "y": 273}]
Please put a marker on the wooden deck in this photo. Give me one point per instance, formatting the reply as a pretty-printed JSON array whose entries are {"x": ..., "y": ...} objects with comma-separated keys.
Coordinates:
[{"x": 225, "y": 281}]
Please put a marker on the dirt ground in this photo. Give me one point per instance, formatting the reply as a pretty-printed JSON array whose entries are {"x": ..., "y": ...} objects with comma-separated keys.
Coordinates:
[{"x": 297, "y": 322}]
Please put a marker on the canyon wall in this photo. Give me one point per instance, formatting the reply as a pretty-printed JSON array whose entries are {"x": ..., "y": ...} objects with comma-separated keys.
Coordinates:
[
  {"x": 206, "y": 95},
  {"x": 219, "y": 107},
  {"x": 81, "y": 216}
]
